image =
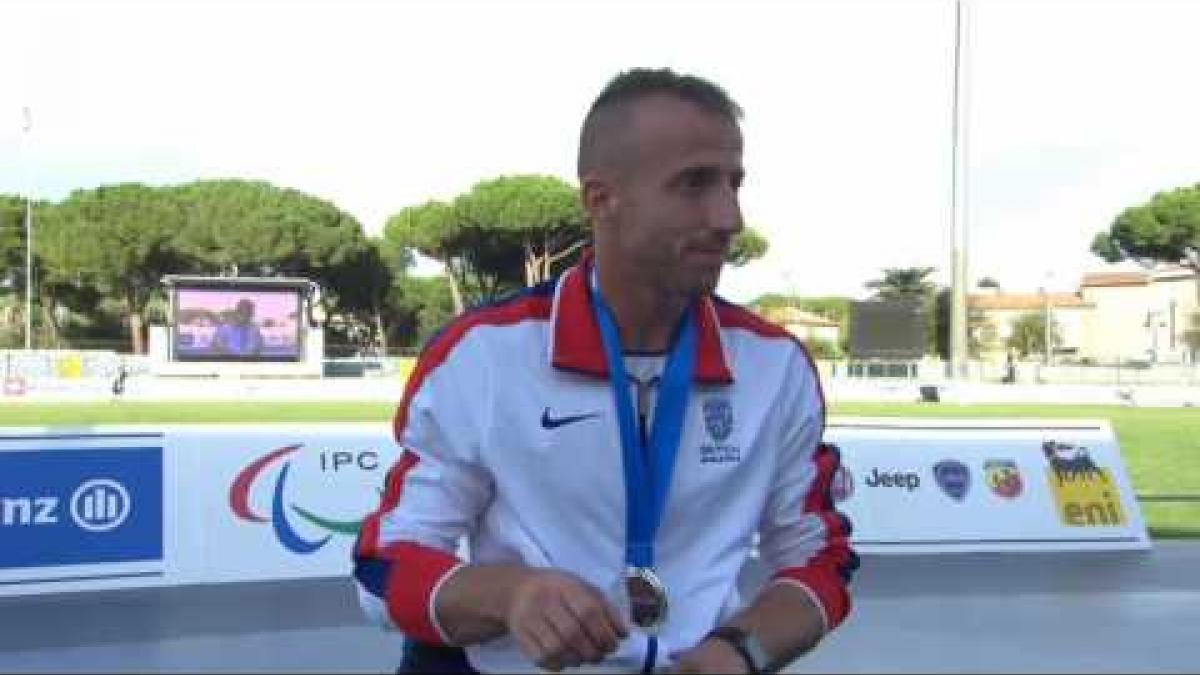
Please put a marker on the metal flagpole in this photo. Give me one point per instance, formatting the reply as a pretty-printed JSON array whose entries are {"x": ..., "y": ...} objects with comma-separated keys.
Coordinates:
[
  {"x": 27, "y": 127},
  {"x": 958, "y": 201}
]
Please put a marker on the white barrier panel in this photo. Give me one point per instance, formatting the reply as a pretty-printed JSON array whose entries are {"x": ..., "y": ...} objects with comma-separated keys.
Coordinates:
[
  {"x": 119, "y": 507},
  {"x": 276, "y": 501},
  {"x": 925, "y": 485}
]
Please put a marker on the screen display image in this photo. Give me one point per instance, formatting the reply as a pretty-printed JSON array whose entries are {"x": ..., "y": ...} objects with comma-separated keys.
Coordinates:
[{"x": 218, "y": 324}]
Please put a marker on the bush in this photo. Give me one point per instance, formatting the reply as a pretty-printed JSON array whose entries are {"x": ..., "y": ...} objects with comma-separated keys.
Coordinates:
[{"x": 822, "y": 349}]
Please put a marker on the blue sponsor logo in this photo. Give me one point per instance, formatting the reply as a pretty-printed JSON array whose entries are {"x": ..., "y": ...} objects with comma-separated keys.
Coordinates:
[
  {"x": 953, "y": 477},
  {"x": 72, "y": 507}
]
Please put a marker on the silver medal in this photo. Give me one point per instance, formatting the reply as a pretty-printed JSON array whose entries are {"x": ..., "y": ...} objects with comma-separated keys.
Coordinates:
[{"x": 647, "y": 597}]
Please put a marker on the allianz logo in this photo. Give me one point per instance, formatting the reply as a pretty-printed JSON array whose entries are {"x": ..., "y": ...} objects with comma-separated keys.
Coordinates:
[
  {"x": 97, "y": 505},
  {"x": 907, "y": 480}
]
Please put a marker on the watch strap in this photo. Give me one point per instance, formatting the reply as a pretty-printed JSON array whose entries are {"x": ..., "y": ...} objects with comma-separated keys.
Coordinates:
[{"x": 745, "y": 645}]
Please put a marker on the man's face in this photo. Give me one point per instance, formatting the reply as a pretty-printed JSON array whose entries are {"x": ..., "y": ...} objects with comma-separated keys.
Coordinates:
[
  {"x": 676, "y": 209},
  {"x": 245, "y": 312}
]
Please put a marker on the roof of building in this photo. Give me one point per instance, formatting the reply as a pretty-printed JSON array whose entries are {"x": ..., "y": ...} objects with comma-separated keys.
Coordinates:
[
  {"x": 1107, "y": 279},
  {"x": 1174, "y": 273},
  {"x": 1027, "y": 301},
  {"x": 797, "y": 317}
]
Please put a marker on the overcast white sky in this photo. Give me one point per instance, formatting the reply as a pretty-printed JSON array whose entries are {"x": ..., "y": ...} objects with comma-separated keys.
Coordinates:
[{"x": 1076, "y": 110}]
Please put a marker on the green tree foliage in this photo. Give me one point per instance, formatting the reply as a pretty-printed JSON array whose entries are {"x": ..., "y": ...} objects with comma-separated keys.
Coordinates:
[
  {"x": 120, "y": 239},
  {"x": 433, "y": 230},
  {"x": 501, "y": 234},
  {"x": 253, "y": 228},
  {"x": 1191, "y": 336},
  {"x": 365, "y": 282},
  {"x": 903, "y": 283},
  {"x": 509, "y": 232},
  {"x": 980, "y": 333},
  {"x": 748, "y": 245},
  {"x": 539, "y": 218},
  {"x": 422, "y": 306},
  {"x": 834, "y": 308},
  {"x": 12, "y": 242},
  {"x": 1164, "y": 229},
  {"x": 822, "y": 349},
  {"x": 63, "y": 291},
  {"x": 12, "y": 269},
  {"x": 912, "y": 283},
  {"x": 1029, "y": 334}
]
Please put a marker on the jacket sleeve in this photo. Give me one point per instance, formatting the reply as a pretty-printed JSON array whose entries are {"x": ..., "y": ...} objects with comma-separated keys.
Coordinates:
[
  {"x": 434, "y": 494},
  {"x": 803, "y": 539}
]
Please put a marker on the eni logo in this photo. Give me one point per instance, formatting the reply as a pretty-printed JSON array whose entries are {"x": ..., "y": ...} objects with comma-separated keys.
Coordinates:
[{"x": 1084, "y": 493}]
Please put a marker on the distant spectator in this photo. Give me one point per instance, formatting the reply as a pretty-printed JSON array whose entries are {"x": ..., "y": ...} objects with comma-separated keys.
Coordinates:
[
  {"x": 1010, "y": 368},
  {"x": 118, "y": 385},
  {"x": 239, "y": 335}
]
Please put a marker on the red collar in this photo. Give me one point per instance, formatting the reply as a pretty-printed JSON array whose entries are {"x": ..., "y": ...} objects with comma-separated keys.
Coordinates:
[{"x": 577, "y": 345}]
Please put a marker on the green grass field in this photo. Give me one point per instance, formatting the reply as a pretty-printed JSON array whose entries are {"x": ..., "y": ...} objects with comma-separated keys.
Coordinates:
[{"x": 1161, "y": 446}]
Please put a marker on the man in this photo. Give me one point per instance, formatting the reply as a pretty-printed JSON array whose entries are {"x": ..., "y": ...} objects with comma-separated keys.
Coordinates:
[
  {"x": 610, "y": 443},
  {"x": 239, "y": 336}
]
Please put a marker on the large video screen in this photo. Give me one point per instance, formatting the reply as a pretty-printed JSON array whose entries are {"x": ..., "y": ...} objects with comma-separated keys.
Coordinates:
[
  {"x": 893, "y": 329},
  {"x": 237, "y": 324}
]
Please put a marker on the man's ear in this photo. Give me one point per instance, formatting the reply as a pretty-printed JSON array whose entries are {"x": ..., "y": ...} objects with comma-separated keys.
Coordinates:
[{"x": 599, "y": 198}]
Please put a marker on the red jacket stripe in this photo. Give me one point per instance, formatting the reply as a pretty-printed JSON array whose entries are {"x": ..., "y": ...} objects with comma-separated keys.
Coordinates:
[{"x": 368, "y": 535}]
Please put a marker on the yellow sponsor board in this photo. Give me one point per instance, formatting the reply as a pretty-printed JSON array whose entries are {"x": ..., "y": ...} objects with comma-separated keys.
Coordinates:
[{"x": 1086, "y": 498}]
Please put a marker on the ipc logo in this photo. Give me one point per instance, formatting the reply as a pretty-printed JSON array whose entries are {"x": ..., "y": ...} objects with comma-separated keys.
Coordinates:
[{"x": 100, "y": 505}]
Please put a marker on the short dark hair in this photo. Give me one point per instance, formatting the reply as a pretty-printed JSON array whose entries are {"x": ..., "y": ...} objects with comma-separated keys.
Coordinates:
[{"x": 638, "y": 83}]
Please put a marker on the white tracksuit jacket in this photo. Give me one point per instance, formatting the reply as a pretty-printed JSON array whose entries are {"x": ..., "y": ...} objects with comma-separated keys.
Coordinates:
[{"x": 511, "y": 442}]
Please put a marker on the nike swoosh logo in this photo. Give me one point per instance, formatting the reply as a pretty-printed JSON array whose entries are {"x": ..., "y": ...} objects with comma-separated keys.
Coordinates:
[{"x": 549, "y": 422}]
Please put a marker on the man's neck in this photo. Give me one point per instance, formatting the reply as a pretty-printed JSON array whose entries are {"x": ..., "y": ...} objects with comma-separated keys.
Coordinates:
[{"x": 646, "y": 316}]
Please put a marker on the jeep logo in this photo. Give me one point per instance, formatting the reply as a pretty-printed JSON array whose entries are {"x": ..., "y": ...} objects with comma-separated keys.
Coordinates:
[{"x": 898, "y": 479}]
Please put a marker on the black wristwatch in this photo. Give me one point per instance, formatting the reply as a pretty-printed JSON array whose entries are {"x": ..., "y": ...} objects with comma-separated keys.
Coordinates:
[{"x": 746, "y": 645}]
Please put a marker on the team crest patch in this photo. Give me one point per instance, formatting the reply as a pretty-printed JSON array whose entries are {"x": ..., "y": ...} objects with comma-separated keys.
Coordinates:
[
  {"x": 718, "y": 418},
  {"x": 718, "y": 421},
  {"x": 953, "y": 477},
  {"x": 1003, "y": 477}
]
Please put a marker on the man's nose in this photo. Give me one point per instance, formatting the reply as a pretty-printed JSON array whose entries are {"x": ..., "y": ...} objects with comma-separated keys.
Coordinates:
[{"x": 726, "y": 215}]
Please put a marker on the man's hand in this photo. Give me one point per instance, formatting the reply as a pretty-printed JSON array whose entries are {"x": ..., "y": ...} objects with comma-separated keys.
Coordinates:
[
  {"x": 711, "y": 656},
  {"x": 560, "y": 621}
]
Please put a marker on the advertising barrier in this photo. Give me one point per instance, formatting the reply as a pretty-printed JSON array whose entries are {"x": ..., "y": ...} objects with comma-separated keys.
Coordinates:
[
  {"x": 81, "y": 510},
  {"x": 119, "y": 507},
  {"x": 923, "y": 486}
]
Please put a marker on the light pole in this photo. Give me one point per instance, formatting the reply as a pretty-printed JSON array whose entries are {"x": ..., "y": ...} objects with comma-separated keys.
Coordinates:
[
  {"x": 958, "y": 199},
  {"x": 1048, "y": 320},
  {"x": 27, "y": 127},
  {"x": 1046, "y": 326}
]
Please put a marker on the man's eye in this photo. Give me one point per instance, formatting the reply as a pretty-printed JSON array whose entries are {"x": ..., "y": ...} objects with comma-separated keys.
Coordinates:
[{"x": 696, "y": 179}]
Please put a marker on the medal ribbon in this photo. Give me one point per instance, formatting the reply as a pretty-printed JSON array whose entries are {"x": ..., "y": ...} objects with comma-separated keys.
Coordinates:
[{"x": 648, "y": 470}]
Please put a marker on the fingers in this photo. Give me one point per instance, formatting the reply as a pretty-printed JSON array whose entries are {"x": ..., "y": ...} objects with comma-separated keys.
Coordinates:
[
  {"x": 615, "y": 618},
  {"x": 574, "y": 645},
  {"x": 566, "y": 623},
  {"x": 535, "y": 642},
  {"x": 595, "y": 618}
]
